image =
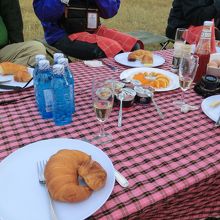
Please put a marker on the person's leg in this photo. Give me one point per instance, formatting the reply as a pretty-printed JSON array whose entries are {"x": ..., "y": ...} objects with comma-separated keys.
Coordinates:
[
  {"x": 79, "y": 49},
  {"x": 127, "y": 42},
  {"x": 22, "y": 53}
]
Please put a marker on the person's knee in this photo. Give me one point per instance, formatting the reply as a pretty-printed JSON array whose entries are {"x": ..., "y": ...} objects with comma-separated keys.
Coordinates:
[{"x": 33, "y": 48}]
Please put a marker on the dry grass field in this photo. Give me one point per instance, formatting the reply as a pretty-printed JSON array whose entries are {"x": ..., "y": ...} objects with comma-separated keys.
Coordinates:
[{"x": 148, "y": 15}]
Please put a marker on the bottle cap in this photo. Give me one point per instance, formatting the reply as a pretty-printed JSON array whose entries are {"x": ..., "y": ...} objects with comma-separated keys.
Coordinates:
[
  {"x": 44, "y": 64},
  {"x": 208, "y": 23},
  {"x": 56, "y": 56},
  {"x": 63, "y": 61},
  {"x": 39, "y": 57},
  {"x": 58, "y": 69}
]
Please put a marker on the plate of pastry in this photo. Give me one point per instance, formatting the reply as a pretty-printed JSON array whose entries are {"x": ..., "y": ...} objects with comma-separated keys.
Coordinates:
[
  {"x": 211, "y": 107},
  {"x": 139, "y": 58},
  {"x": 67, "y": 159},
  {"x": 12, "y": 74},
  {"x": 161, "y": 80}
]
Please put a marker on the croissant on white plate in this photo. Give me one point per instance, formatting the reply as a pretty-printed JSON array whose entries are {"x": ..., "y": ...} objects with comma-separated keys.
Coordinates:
[{"x": 63, "y": 170}]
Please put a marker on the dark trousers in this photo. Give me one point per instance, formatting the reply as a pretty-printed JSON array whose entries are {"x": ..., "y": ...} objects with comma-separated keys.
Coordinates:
[{"x": 81, "y": 50}]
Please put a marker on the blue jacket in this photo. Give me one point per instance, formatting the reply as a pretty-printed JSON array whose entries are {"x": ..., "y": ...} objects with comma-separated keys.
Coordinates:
[{"x": 50, "y": 12}]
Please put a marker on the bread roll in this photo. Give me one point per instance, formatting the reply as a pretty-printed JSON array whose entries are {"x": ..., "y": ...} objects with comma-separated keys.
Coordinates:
[
  {"x": 145, "y": 56},
  {"x": 213, "y": 64}
]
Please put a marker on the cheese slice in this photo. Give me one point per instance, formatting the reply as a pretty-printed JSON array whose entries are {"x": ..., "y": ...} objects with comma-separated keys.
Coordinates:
[{"x": 214, "y": 103}]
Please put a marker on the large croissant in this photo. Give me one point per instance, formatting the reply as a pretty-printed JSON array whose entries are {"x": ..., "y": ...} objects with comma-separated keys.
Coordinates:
[
  {"x": 8, "y": 68},
  {"x": 62, "y": 171}
]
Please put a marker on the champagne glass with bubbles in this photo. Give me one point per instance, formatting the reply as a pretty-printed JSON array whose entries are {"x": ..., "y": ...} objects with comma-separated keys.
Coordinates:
[
  {"x": 103, "y": 98},
  {"x": 187, "y": 71}
]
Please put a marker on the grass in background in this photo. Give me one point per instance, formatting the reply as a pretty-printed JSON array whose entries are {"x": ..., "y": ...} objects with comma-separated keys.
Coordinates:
[{"x": 148, "y": 15}]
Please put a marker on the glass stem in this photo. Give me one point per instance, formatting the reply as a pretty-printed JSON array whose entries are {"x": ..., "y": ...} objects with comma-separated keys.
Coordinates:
[
  {"x": 183, "y": 97},
  {"x": 101, "y": 129}
]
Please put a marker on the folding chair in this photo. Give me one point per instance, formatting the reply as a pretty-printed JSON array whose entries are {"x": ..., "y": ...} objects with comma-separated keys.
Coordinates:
[{"x": 151, "y": 38}]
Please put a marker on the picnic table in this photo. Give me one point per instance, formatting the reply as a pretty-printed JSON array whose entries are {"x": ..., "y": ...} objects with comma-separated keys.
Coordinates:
[{"x": 172, "y": 165}]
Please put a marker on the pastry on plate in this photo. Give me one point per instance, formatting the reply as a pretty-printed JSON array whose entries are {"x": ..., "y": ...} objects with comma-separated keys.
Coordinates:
[
  {"x": 22, "y": 76},
  {"x": 62, "y": 173},
  {"x": 144, "y": 56},
  {"x": 8, "y": 68}
]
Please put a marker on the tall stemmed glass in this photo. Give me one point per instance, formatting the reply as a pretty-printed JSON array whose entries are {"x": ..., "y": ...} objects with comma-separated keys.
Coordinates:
[
  {"x": 179, "y": 44},
  {"x": 103, "y": 98},
  {"x": 187, "y": 71}
]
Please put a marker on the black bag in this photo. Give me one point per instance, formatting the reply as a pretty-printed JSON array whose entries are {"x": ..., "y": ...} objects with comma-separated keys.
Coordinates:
[{"x": 75, "y": 17}]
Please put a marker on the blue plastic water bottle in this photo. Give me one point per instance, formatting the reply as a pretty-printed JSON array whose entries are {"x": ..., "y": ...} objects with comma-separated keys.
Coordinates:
[
  {"x": 38, "y": 57},
  {"x": 62, "y": 112},
  {"x": 70, "y": 79},
  {"x": 35, "y": 72},
  {"x": 57, "y": 56},
  {"x": 45, "y": 96}
]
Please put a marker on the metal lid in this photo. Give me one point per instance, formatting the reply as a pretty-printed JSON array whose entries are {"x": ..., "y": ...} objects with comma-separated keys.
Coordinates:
[
  {"x": 129, "y": 94},
  {"x": 142, "y": 92}
]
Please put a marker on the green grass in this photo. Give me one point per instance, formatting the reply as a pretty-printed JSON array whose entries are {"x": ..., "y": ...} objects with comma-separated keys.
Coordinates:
[{"x": 147, "y": 15}]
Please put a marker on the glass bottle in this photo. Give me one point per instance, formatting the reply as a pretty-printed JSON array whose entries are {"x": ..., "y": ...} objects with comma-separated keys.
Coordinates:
[
  {"x": 62, "y": 112},
  {"x": 45, "y": 96},
  {"x": 70, "y": 79},
  {"x": 203, "y": 50}
]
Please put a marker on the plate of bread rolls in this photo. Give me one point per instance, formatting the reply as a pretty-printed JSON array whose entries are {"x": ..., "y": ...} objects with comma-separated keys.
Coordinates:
[
  {"x": 13, "y": 74},
  {"x": 80, "y": 178},
  {"x": 139, "y": 58}
]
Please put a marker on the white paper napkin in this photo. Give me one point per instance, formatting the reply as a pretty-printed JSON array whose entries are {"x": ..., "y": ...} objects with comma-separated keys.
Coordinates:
[{"x": 93, "y": 63}]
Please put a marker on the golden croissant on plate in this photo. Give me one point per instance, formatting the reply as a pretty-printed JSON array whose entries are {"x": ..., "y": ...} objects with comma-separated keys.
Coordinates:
[
  {"x": 8, "y": 68},
  {"x": 22, "y": 76},
  {"x": 62, "y": 173},
  {"x": 20, "y": 72}
]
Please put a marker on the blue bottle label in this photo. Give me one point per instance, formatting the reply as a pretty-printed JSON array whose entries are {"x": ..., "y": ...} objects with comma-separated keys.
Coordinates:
[{"x": 48, "y": 96}]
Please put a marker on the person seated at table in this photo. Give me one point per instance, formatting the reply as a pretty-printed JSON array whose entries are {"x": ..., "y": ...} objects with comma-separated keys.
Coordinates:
[
  {"x": 73, "y": 27},
  {"x": 185, "y": 13},
  {"x": 12, "y": 45}
]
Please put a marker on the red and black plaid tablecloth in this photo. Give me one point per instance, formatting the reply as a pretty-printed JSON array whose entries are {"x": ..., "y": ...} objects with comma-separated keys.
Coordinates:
[{"x": 173, "y": 165}]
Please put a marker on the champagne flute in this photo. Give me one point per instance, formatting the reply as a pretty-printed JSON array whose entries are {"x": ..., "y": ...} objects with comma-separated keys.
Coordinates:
[
  {"x": 180, "y": 41},
  {"x": 103, "y": 98},
  {"x": 187, "y": 71}
]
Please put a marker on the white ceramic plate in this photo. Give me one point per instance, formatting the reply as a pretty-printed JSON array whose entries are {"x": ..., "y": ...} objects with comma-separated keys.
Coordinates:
[
  {"x": 14, "y": 83},
  {"x": 23, "y": 198},
  {"x": 212, "y": 112},
  {"x": 4, "y": 79},
  {"x": 122, "y": 58},
  {"x": 174, "y": 80}
]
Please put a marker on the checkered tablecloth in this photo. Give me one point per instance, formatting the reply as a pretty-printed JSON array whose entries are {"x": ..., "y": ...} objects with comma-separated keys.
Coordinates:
[{"x": 173, "y": 165}]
